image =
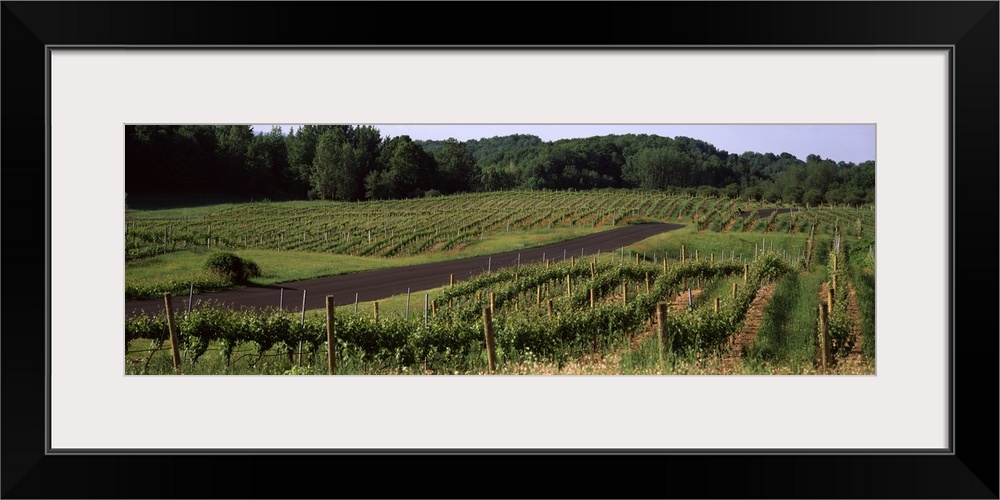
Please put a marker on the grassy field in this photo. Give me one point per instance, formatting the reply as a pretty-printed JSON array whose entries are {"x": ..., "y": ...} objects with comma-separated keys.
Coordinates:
[{"x": 174, "y": 271}]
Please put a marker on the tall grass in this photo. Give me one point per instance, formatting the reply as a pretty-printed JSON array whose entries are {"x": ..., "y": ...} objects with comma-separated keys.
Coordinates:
[
  {"x": 786, "y": 335},
  {"x": 864, "y": 287}
]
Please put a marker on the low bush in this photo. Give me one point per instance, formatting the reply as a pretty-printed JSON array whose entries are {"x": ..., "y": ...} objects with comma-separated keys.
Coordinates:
[{"x": 232, "y": 267}]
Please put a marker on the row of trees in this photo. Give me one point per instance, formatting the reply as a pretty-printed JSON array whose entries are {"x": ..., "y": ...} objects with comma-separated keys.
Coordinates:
[
  {"x": 335, "y": 162},
  {"x": 343, "y": 162}
]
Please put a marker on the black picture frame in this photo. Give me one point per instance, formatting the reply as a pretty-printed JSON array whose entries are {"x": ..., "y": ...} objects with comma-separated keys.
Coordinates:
[{"x": 969, "y": 470}]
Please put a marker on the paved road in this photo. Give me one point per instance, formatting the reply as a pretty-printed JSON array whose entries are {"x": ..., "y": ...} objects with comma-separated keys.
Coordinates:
[{"x": 374, "y": 285}]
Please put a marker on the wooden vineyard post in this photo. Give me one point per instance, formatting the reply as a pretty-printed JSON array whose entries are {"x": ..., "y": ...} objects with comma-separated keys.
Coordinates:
[
  {"x": 592, "y": 270},
  {"x": 488, "y": 330},
  {"x": 661, "y": 330},
  {"x": 591, "y": 298},
  {"x": 538, "y": 301},
  {"x": 664, "y": 261},
  {"x": 550, "y": 307},
  {"x": 746, "y": 272},
  {"x": 375, "y": 306},
  {"x": 569, "y": 285},
  {"x": 451, "y": 281},
  {"x": 647, "y": 281},
  {"x": 426, "y": 296},
  {"x": 173, "y": 331},
  {"x": 637, "y": 259},
  {"x": 493, "y": 298},
  {"x": 734, "y": 290},
  {"x": 434, "y": 308},
  {"x": 716, "y": 305},
  {"x": 696, "y": 255},
  {"x": 829, "y": 299},
  {"x": 824, "y": 334},
  {"x": 331, "y": 340},
  {"x": 683, "y": 257},
  {"x": 711, "y": 259}
]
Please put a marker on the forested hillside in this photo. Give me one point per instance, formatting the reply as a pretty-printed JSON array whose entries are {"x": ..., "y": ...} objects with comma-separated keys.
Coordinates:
[{"x": 344, "y": 162}]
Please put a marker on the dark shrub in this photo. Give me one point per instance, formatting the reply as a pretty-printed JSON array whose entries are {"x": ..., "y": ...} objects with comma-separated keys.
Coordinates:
[{"x": 232, "y": 267}]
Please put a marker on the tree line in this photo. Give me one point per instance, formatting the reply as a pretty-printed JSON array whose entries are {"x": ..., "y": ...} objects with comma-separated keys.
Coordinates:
[{"x": 349, "y": 163}]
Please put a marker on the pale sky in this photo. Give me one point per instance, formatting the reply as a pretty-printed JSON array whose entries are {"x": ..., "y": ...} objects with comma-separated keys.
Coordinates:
[{"x": 851, "y": 143}]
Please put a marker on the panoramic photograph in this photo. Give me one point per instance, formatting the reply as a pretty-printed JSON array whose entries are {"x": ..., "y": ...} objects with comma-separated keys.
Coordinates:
[{"x": 577, "y": 249}]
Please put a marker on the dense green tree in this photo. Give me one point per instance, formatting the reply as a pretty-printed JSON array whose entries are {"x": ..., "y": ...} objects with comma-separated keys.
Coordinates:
[
  {"x": 301, "y": 148},
  {"x": 334, "y": 173},
  {"x": 457, "y": 169},
  {"x": 406, "y": 170},
  {"x": 367, "y": 143},
  {"x": 657, "y": 168},
  {"x": 498, "y": 178},
  {"x": 269, "y": 152},
  {"x": 234, "y": 173}
]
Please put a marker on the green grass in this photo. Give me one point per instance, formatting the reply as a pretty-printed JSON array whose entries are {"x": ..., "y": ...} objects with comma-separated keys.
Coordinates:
[
  {"x": 276, "y": 266},
  {"x": 181, "y": 267},
  {"x": 394, "y": 306},
  {"x": 513, "y": 241},
  {"x": 723, "y": 245},
  {"x": 645, "y": 359},
  {"x": 786, "y": 336},
  {"x": 864, "y": 287}
]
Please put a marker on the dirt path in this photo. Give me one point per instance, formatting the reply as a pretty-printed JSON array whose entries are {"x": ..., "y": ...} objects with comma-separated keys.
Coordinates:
[
  {"x": 748, "y": 330},
  {"x": 856, "y": 356}
]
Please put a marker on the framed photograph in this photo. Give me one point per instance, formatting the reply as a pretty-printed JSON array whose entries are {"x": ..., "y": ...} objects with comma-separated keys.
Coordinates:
[{"x": 922, "y": 75}]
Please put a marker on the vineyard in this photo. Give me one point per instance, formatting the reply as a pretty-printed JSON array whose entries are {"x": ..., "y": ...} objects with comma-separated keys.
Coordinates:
[
  {"x": 547, "y": 317},
  {"x": 449, "y": 224}
]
